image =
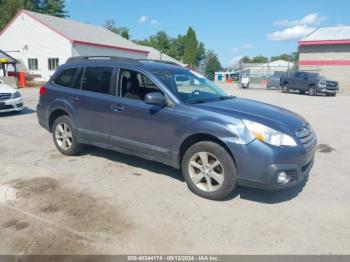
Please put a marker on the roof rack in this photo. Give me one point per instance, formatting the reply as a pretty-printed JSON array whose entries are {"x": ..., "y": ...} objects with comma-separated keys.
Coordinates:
[
  {"x": 159, "y": 61},
  {"x": 80, "y": 59}
]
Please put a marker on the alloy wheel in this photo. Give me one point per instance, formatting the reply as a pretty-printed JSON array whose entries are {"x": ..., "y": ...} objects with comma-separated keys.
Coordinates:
[
  {"x": 64, "y": 136},
  {"x": 206, "y": 171}
]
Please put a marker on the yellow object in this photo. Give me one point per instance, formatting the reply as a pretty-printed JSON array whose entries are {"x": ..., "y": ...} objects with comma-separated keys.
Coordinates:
[
  {"x": 4, "y": 60},
  {"x": 259, "y": 136}
]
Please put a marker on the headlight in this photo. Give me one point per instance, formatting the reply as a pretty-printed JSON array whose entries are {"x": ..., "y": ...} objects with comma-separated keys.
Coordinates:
[
  {"x": 16, "y": 95},
  {"x": 269, "y": 135},
  {"x": 322, "y": 84}
]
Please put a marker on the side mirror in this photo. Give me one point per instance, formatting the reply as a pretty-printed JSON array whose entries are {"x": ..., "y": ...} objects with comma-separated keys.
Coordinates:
[{"x": 155, "y": 98}]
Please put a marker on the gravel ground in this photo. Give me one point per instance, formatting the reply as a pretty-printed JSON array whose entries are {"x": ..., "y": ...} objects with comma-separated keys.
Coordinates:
[{"x": 104, "y": 202}]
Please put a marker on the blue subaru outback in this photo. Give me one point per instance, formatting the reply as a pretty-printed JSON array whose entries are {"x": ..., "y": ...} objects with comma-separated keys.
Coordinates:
[{"x": 163, "y": 112}]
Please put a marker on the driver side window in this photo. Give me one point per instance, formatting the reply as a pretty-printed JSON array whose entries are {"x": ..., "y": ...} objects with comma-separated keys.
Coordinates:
[{"x": 134, "y": 85}]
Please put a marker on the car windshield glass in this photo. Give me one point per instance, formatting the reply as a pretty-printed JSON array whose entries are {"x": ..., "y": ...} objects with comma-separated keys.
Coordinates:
[{"x": 190, "y": 87}]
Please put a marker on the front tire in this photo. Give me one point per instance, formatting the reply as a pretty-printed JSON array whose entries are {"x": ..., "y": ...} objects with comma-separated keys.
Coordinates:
[
  {"x": 209, "y": 171},
  {"x": 312, "y": 91},
  {"x": 65, "y": 137}
]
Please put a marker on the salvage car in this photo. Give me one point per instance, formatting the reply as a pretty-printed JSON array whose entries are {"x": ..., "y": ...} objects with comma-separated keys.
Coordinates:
[
  {"x": 10, "y": 99},
  {"x": 163, "y": 112}
]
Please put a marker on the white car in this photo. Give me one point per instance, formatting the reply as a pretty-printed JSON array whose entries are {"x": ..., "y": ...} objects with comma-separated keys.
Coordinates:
[{"x": 10, "y": 99}]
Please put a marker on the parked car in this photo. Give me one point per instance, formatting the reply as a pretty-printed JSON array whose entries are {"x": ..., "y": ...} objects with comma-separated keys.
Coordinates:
[
  {"x": 274, "y": 80},
  {"x": 166, "y": 113},
  {"x": 309, "y": 82},
  {"x": 10, "y": 99}
]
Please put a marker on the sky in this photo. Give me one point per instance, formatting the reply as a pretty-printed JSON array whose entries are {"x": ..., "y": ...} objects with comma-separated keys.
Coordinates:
[{"x": 231, "y": 28}]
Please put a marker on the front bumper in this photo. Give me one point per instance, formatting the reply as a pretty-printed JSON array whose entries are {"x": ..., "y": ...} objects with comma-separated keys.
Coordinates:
[
  {"x": 327, "y": 90},
  {"x": 11, "y": 105},
  {"x": 258, "y": 164}
]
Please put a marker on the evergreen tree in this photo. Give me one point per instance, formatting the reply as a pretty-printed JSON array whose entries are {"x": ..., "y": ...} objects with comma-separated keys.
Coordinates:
[
  {"x": 190, "y": 53},
  {"x": 52, "y": 7},
  {"x": 200, "y": 53},
  {"x": 111, "y": 25},
  {"x": 213, "y": 64},
  {"x": 9, "y": 8}
]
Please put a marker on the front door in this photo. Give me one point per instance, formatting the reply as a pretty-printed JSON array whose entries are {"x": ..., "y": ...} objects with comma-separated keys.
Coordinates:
[{"x": 143, "y": 129}]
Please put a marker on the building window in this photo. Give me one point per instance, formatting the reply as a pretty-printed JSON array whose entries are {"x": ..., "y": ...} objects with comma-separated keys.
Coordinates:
[
  {"x": 53, "y": 63},
  {"x": 33, "y": 64}
]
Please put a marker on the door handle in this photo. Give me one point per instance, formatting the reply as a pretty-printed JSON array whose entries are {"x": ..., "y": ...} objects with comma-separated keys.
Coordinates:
[
  {"x": 117, "y": 108},
  {"x": 73, "y": 99}
]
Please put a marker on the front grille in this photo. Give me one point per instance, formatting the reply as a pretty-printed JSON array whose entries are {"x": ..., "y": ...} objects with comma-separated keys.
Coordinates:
[
  {"x": 307, "y": 137},
  {"x": 5, "y": 96},
  {"x": 332, "y": 84},
  {"x": 6, "y": 107},
  {"x": 293, "y": 174}
]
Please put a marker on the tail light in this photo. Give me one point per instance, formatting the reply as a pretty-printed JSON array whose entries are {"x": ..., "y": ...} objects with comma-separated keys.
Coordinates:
[{"x": 42, "y": 91}]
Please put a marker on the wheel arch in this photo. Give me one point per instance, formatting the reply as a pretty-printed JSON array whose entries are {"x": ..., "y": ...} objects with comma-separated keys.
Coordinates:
[
  {"x": 199, "y": 137},
  {"x": 55, "y": 114}
]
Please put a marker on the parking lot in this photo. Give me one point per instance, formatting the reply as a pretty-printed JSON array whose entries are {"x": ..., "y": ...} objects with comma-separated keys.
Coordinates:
[{"x": 103, "y": 202}]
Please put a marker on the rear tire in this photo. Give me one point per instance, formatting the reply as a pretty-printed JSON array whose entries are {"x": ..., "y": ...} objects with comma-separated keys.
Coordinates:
[
  {"x": 285, "y": 88},
  {"x": 209, "y": 170},
  {"x": 65, "y": 136}
]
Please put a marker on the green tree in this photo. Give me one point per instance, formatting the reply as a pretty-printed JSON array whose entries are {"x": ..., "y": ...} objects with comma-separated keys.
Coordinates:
[
  {"x": 200, "y": 53},
  {"x": 9, "y": 8},
  {"x": 213, "y": 64},
  {"x": 293, "y": 57},
  {"x": 260, "y": 59},
  {"x": 190, "y": 53},
  {"x": 52, "y": 7},
  {"x": 111, "y": 25},
  {"x": 246, "y": 59}
]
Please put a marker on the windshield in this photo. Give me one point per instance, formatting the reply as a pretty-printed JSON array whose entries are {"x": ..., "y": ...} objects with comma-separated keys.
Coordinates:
[{"x": 191, "y": 87}]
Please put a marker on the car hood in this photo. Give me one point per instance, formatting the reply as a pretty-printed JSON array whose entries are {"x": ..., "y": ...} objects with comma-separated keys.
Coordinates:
[
  {"x": 269, "y": 115},
  {"x": 6, "y": 89}
]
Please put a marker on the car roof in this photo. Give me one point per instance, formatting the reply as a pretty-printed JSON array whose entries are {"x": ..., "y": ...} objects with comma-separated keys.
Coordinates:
[{"x": 149, "y": 65}]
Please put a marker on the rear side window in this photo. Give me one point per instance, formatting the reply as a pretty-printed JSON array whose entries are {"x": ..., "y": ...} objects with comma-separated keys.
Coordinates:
[
  {"x": 97, "y": 79},
  {"x": 66, "y": 77}
]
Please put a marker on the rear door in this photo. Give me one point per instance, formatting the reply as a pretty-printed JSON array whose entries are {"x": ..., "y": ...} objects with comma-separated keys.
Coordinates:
[
  {"x": 93, "y": 101},
  {"x": 298, "y": 80},
  {"x": 143, "y": 129}
]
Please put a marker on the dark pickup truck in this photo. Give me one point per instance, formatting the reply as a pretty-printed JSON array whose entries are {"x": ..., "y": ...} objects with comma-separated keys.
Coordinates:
[{"x": 308, "y": 82}]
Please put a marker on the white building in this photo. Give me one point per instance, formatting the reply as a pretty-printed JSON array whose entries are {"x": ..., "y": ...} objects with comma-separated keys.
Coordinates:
[
  {"x": 267, "y": 69},
  {"x": 42, "y": 42}
]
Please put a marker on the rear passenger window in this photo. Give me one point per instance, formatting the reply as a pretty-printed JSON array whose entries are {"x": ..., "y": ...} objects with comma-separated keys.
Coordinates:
[
  {"x": 97, "y": 79},
  {"x": 66, "y": 77}
]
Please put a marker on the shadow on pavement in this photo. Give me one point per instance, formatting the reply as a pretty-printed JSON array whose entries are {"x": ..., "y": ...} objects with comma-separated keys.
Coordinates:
[
  {"x": 134, "y": 161},
  {"x": 25, "y": 111},
  {"x": 251, "y": 194},
  {"x": 271, "y": 197}
]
